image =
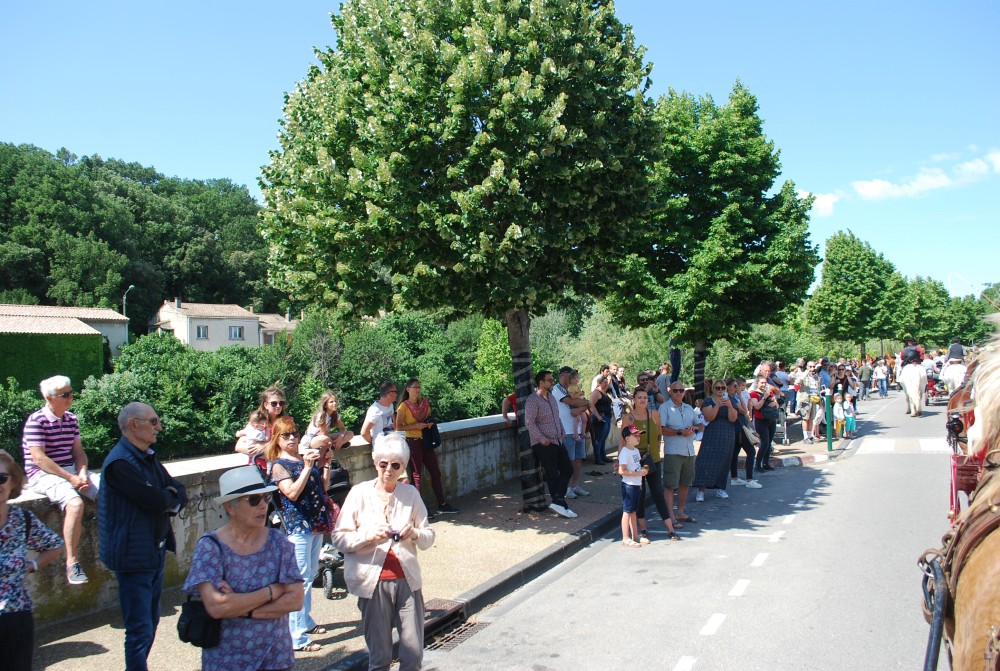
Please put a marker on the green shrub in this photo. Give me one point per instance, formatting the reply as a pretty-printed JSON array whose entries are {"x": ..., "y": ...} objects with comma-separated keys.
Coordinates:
[{"x": 15, "y": 406}]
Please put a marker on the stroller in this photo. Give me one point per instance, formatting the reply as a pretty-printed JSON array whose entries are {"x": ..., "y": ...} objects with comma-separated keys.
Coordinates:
[{"x": 329, "y": 558}]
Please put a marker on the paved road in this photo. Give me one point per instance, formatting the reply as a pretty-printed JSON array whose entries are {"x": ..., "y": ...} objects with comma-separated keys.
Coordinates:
[{"x": 817, "y": 570}]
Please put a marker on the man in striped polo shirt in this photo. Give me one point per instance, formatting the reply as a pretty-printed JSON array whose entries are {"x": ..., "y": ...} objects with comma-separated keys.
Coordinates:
[{"x": 56, "y": 464}]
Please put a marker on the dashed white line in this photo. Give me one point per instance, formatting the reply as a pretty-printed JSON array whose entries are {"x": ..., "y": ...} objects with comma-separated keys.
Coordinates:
[
  {"x": 808, "y": 492},
  {"x": 788, "y": 519},
  {"x": 798, "y": 504},
  {"x": 739, "y": 588},
  {"x": 685, "y": 664},
  {"x": 771, "y": 538},
  {"x": 776, "y": 536},
  {"x": 818, "y": 480},
  {"x": 759, "y": 560},
  {"x": 713, "y": 624}
]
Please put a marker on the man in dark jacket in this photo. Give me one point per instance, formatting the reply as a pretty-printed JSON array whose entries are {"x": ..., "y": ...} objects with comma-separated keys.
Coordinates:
[{"x": 135, "y": 503}]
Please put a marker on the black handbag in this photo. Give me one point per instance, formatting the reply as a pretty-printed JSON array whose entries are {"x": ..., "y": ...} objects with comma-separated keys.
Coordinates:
[
  {"x": 431, "y": 435},
  {"x": 195, "y": 625}
]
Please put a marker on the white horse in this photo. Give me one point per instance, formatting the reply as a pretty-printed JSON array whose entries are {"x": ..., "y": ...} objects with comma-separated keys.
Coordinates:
[
  {"x": 953, "y": 375},
  {"x": 913, "y": 379}
]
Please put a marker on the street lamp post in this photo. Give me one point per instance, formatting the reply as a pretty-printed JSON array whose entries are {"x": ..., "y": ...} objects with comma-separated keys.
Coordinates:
[{"x": 124, "y": 301}]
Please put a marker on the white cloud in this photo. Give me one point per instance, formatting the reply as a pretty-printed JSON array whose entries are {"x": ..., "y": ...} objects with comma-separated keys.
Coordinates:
[
  {"x": 944, "y": 157},
  {"x": 931, "y": 179},
  {"x": 823, "y": 205}
]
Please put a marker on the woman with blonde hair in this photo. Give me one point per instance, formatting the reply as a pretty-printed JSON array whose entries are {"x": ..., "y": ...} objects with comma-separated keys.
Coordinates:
[{"x": 326, "y": 429}]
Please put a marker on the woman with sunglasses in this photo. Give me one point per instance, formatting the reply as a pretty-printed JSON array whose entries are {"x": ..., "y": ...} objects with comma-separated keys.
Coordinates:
[
  {"x": 711, "y": 468},
  {"x": 381, "y": 526},
  {"x": 413, "y": 416},
  {"x": 272, "y": 406},
  {"x": 245, "y": 574},
  {"x": 306, "y": 514},
  {"x": 20, "y": 531}
]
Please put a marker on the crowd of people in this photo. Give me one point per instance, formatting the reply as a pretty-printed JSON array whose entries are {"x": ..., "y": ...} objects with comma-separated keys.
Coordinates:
[{"x": 256, "y": 579}]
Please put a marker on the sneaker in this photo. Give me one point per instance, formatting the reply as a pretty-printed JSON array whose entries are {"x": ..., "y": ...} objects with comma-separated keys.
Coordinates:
[
  {"x": 447, "y": 509},
  {"x": 737, "y": 481},
  {"x": 643, "y": 538},
  {"x": 580, "y": 491},
  {"x": 75, "y": 574},
  {"x": 562, "y": 510},
  {"x": 571, "y": 493},
  {"x": 699, "y": 497},
  {"x": 630, "y": 544},
  {"x": 753, "y": 484},
  {"x": 721, "y": 494}
]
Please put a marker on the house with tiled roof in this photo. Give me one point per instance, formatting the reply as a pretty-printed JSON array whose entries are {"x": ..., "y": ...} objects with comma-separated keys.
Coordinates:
[
  {"x": 38, "y": 341},
  {"x": 209, "y": 326}
]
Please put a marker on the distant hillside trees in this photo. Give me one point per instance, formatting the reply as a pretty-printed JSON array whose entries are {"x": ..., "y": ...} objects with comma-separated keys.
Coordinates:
[{"x": 80, "y": 231}]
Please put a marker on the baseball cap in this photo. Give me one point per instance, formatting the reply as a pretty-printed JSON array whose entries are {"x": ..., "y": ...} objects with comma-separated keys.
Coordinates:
[{"x": 631, "y": 430}]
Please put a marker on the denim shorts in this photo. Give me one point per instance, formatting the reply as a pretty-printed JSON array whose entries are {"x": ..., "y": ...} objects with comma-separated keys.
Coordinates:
[
  {"x": 575, "y": 449},
  {"x": 630, "y": 497}
]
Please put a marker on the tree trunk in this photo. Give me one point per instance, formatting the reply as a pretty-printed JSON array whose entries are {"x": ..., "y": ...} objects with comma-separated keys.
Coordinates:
[
  {"x": 699, "y": 369},
  {"x": 675, "y": 362},
  {"x": 862, "y": 351},
  {"x": 518, "y": 327}
]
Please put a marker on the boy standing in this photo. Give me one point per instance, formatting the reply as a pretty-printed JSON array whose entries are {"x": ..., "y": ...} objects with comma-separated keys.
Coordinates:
[{"x": 632, "y": 472}]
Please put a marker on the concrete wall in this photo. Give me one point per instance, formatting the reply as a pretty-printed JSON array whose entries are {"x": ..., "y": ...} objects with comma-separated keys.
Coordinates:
[{"x": 474, "y": 454}]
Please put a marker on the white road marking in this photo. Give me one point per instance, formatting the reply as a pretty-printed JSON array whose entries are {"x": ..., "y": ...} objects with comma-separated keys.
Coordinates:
[
  {"x": 759, "y": 560},
  {"x": 808, "y": 492},
  {"x": 713, "y": 624},
  {"x": 685, "y": 664},
  {"x": 771, "y": 538},
  {"x": 739, "y": 588},
  {"x": 875, "y": 445},
  {"x": 817, "y": 481},
  {"x": 798, "y": 504},
  {"x": 788, "y": 519},
  {"x": 824, "y": 471},
  {"x": 934, "y": 445}
]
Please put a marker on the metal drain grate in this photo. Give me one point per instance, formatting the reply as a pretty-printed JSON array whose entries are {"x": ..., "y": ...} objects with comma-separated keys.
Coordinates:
[{"x": 451, "y": 639}]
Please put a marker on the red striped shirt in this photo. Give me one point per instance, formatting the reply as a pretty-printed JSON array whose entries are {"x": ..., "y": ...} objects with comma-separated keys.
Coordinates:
[{"x": 56, "y": 435}]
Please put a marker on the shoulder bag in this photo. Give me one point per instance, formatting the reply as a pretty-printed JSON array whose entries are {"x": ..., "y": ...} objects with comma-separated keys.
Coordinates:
[{"x": 195, "y": 625}]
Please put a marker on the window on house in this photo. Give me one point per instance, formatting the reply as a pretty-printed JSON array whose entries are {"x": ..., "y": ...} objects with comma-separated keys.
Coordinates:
[
  {"x": 201, "y": 332},
  {"x": 236, "y": 333}
]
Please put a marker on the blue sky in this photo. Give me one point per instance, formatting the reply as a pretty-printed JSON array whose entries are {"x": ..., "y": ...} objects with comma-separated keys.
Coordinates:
[{"x": 886, "y": 111}]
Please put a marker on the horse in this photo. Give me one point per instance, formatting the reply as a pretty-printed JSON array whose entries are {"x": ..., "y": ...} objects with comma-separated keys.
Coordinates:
[
  {"x": 913, "y": 379},
  {"x": 967, "y": 594}
]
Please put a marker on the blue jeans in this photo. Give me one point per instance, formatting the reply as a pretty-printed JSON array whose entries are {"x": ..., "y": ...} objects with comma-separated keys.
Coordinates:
[
  {"x": 601, "y": 431},
  {"x": 883, "y": 387},
  {"x": 307, "y": 547},
  {"x": 139, "y": 596}
]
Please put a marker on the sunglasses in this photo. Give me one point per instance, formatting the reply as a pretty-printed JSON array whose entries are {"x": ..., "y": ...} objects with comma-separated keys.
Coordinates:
[
  {"x": 65, "y": 394},
  {"x": 385, "y": 464},
  {"x": 277, "y": 404},
  {"x": 290, "y": 435},
  {"x": 4, "y": 477},
  {"x": 677, "y": 391},
  {"x": 720, "y": 388},
  {"x": 255, "y": 499}
]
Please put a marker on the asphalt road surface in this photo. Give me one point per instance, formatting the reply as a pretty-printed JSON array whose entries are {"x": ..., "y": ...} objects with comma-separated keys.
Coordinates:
[{"x": 816, "y": 571}]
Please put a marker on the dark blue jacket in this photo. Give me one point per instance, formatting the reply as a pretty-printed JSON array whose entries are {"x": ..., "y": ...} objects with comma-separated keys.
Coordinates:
[{"x": 134, "y": 509}]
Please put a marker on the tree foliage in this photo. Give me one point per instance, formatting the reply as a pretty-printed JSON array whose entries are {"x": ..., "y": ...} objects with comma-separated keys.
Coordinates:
[
  {"x": 725, "y": 251},
  {"x": 80, "y": 231}
]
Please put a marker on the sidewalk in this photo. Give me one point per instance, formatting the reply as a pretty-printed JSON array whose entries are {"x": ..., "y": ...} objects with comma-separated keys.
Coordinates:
[{"x": 486, "y": 551}]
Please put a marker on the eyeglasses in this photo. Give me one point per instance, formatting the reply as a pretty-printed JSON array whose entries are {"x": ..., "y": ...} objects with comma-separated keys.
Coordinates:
[
  {"x": 677, "y": 391},
  {"x": 4, "y": 477},
  {"x": 255, "y": 499},
  {"x": 65, "y": 394},
  {"x": 385, "y": 464},
  {"x": 643, "y": 379},
  {"x": 277, "y": 404},
  {"x": 154, "y": 421},
  {"x": 290, "y": 435},
  {"x": 718, "y": 388}
]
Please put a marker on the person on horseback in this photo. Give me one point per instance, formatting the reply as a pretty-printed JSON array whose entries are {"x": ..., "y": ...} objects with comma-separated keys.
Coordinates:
[{"x": 912, "y": 353}]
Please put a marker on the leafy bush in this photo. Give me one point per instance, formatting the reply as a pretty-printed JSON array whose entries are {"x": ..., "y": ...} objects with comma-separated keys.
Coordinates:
[{"x": 15, "y": 406}]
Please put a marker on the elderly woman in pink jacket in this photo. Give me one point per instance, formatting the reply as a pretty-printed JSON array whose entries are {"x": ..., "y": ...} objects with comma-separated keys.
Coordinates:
[{"x": 381, "y": 526}]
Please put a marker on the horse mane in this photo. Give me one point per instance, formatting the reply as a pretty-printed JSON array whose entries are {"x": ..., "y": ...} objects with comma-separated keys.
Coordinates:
[{"x": 986, "y": 387}]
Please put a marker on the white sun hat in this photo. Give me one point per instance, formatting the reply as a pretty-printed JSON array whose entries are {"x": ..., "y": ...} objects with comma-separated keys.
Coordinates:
[{"x": 239, "y": 482}]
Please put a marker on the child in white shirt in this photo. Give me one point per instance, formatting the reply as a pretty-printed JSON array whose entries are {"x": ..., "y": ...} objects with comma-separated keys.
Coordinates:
[
  {"x": 850, "y": 417},
  {"x": 632, "y": 471}
]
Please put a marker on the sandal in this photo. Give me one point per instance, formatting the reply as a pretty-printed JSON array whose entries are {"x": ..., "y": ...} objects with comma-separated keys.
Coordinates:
[
  {"x": 631, "y": 544},
  {"x": 316, "y": 630},
  {"x": 310, "y": 647},
  {"x": 687, "y": 518},
  {"x": 673, "y": 536}
]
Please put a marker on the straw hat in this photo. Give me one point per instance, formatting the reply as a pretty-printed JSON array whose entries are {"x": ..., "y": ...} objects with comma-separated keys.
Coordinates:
[{"x": 240, "y": 482}]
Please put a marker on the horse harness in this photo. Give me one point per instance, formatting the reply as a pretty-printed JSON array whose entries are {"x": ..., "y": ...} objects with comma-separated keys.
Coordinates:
[{"x": 957, "y": 547}]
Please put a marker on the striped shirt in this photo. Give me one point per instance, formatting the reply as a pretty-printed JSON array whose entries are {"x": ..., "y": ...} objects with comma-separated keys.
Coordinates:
[{"x": 56, "y": 435}]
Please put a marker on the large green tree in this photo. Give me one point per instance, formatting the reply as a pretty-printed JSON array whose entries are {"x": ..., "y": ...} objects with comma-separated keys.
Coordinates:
[
  {"x": 849, "y": 303},
  {"x": 726, "y": 250},
  {"x": 480, "y": 154}
]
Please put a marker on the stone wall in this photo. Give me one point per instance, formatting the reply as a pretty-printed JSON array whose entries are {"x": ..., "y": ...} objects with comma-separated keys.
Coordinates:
[{"x": 474, "y": 454}]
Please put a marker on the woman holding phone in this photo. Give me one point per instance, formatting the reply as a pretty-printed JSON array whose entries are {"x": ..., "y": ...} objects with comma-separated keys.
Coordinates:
[{"x": 711, "y": 468}]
